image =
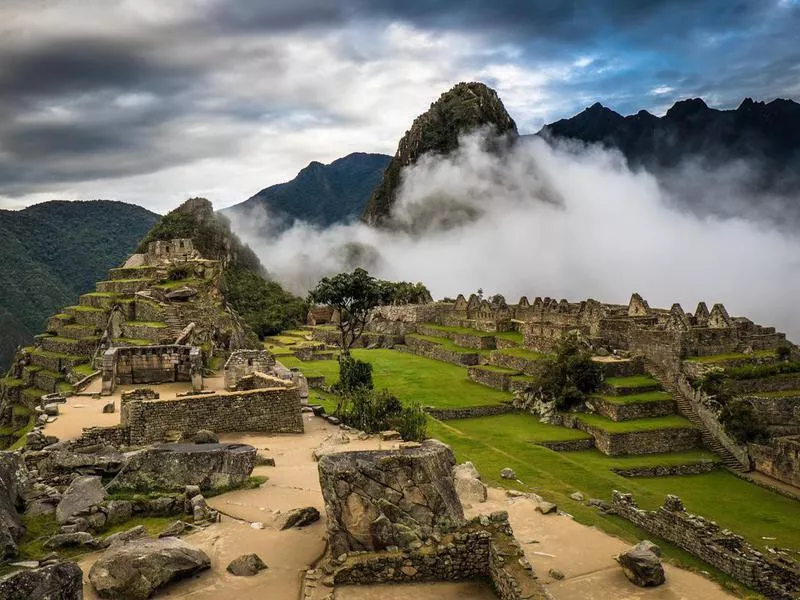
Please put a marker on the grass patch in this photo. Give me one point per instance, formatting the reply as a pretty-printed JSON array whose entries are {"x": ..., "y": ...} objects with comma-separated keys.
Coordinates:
[
  {"x": 730, "y": 356},
  {"x": 511, "y": 336},
  {"x": 81, "y": 308},
  {"x": 65, "y": 388},
  {"x": 100, "y": 294},
  {"x": 717, "y": 495},
  {"x": 494, "y": 369},
  {"x": 522, "y": 353},
  {"x": 174, "y": 285},
  {"x": 631, "y": 382},
  {"x": 283, "y": 340},
  {"x": 410, "y": 377},
  {"x": 629, "y": 461},
  {"x": 22, "y": 434},
  {"x": 32, "y": 395},
  {"x": 278, "y": 350},
  {"x": 516, "y": 428},
  {"x": 11, "y": 382},
  {"x": 63, "y": 317},
  {"x": 57, "y": 355},
  {"x": 134, "y": 341},
  {"x": 643, "y": 398},
  {"x": 153, "y": 324},
  {"x": 459, "y": 330},
  {"x": 447, "y": 344},
  {"x": 759, "y": 371},
  {"x": 651, "y": 424},
  {"x": 523, "y": 378},
  {"x": 83, "y": 370}
]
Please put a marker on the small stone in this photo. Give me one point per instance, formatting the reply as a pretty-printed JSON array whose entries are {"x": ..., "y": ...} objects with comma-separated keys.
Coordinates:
[
  {"x": 109, "y": 408},
  {"x": 546, "y": 507},
  {"x": 298, "y": 517},
  {"x": 246, "y": 565},
  {"x": 122, "y": 537},
  {"x": 516, "y": 494},
  {"x": 508, "y": 473},
  {"x": 556, "y": 574},
  {"x": 389, "y": 435},
  {"x": 577, "y": 496},
  {"x": 205, "y": 436},
  {"x": 409, "y": 445},
  {"x": 642, "y": 565},
  {"x": 409, "y": 571},
  {"x": 599, "y": 504},
  {"x": 257, "y": 525},
  {"x": 26, "y": 564},
  {"x": 51, "y": 410},
  {"x": 173, "y": 530}
]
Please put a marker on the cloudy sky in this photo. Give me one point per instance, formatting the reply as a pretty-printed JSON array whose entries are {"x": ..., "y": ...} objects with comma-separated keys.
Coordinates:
[{"x": 152, "y": 101}]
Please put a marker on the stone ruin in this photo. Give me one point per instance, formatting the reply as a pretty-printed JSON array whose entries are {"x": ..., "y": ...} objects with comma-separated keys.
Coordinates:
[
  {"x": 151, "y": 365},
  {"x": 394, "y": 517},
  {"x": 246, "y": 362}
]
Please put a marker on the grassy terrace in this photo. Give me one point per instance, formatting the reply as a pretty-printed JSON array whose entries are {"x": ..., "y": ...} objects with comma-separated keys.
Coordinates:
[
  {"x": 134, "y": 341},
  {"x": 631, "y": 382},
  {"x": 650, "y": 424},
  {"x": 721, "y": 358},
  {"x": 411, "y": 377},
  {"x": 447, "y": 344},
  {"x": 638, "y": 398},
  {"x": 174, "y": 285},
  {"x": 460, "y": 330},
  {"x": 522, "y": 353},
  {"x": 512, "y": 336},
  {"x": 81, "y": 308},
  {"x": 493, "y": 443},
  {"x": 153, "y": 324},
  {"x": 780, "y": 394},
  {"x": 83, "y": 370},
  {"x": 57, "y": 355},
  {"x": 494, "y": 369}
]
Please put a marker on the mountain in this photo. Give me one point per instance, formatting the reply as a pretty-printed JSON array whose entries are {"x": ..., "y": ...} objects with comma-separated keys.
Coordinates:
[
  {"x": 322, "y": 195},
  {"x": 464, "y": 108},
  {"x": 53, "y": 251},
  {"x": 761, "y": 137}
]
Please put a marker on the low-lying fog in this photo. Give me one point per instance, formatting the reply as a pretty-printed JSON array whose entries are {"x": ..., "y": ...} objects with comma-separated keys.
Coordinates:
[{"x": 570, "y": 221}]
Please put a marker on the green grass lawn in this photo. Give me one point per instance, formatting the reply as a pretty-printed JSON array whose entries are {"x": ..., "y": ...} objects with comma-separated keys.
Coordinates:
[
  {"x": 411, "y": 377},
  {"x": 493, "y": 443},
  {"x": 638, "y": 398},
  {"x": 517, "y": 428},
  {"x": 650, "y": 424},
  {"x": 447, "y": 344},
  {"x": 522, "y": 353},
  {"x": 631, "y": 382},
  {"x": 720, "y": 358}
]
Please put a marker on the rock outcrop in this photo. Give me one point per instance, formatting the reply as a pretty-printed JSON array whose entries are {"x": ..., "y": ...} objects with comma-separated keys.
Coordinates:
[
  {"x": 378, "y": 499},
  {"x": 464, "y": 109},
  {"x": 174, "y": 466},
  {"x": 82, "y": 494},
  {"x": 59, "y": 581},
  {"x": 13, "y": 482},
  {"x": 137, "y": 569},
  {"x": 469, "y": 487},
  {"x": 642, "y": 565}
]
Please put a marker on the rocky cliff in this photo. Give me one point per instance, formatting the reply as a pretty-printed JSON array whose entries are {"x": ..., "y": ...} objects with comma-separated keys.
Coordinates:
[{"x": 464, "y": 109}]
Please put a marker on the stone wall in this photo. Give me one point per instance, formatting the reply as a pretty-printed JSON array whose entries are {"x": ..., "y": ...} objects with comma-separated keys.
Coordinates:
[
  {"x": 467, "y": 412},
  {"x": 389, "y": 498},
  {"x": 272, "y": 410},
  {"x": 151, "y": 364},
  {"x": 498, "y": 380},
  {"x": 630, "y": 411},
  {"x": 642, "y": 442},
  {"x": 515, "y": 363},
  {"x": 775, "y": 383},
  {"x": 780, "y": 459},
  {"x": 483, "y": 549},
  {"x": 568, "y": 445},
  {"x": 429, "y": 349},
  {"x": 246, "y": 362},
  {"x": 702, "y": 466},
  {"x": 780, "y": 415},
  {"x": 775, "y": 576},
  {"x": 255, "y": 381},
  {"x": 410, "y": 313}
]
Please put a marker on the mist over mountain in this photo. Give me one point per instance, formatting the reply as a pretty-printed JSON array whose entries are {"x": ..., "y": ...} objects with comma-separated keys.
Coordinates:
[
  {"x": 54, "y": 251},
  {"x": 754, "y": 149},
  {"x": 321, "y": 195}
]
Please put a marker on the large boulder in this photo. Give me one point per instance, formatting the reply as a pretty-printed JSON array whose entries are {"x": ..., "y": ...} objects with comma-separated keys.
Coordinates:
[
  {"x": 469, "y": 487},
  {"x": 642, "y": 565},
  {"x": 174, "y": 466},
  {"x": 298, "y": 517},
  {"x": 13, "y": 485},
  {"x": 377, "y": 499},
  {"x": 246, "y": 565},
  {"x": 104, "y": 461},
  {"x": 59, "y": 581},
  {"x": 137, "y": 569},
  {"x": 83, "y": 493}
]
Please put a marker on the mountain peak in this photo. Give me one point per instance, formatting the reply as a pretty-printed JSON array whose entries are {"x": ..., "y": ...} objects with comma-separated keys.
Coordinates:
[
  {"x": 688, "y": 107},
  {"x": 464, "y": 108}
]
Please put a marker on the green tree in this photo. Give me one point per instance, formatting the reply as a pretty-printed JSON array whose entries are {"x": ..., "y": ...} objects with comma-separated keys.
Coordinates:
[
  {"x": 571, "y": 375},
  {"x": 353, "y": 295}
]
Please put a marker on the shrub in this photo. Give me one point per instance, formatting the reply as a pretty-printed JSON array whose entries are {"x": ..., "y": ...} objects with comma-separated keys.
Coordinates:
[
  {"x": 783, "y": 352},
  {"x": 413, "y": 423},
  {"x": 570, "y": 376},
  {"x": 179, "y": 272},
  {"x": 369, "y": 410},
  {"x": 354, "y": 375},
  {"x": 711, "y": 382},
  {"x": 740, "y": 421},
  {"x": 764, "y": 370}
]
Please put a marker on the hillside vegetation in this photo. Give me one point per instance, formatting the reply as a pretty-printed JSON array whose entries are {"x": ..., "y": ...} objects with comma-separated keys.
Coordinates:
[{"x": 52, "y": 252}]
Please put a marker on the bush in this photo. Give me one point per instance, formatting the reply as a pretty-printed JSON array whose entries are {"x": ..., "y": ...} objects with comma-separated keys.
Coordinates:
[
  {"x": 413, "y": 423},
  {"x": 783, "y": 352},
  {"x": 740, "y": 421},
  {"x": 179, "y": 272},
  {"x": 369, "y": 411},
  {"x": 354, "y": 375},
  {"x": 711, "y": 382},
  {"x": 764, "y": 370},
  {"x": 570, "y": 376}
]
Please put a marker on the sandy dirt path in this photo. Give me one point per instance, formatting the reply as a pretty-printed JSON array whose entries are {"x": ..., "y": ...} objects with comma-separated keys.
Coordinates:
[{"x": 584, "y": 554}]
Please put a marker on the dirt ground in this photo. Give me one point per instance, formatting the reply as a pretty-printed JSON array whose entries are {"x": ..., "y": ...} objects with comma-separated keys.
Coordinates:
[{"x": 584, "y": 554}]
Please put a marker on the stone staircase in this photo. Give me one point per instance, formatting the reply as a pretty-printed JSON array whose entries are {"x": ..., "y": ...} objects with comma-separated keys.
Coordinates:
[
  {"x": 686, "y": 408},
  {"x": 173, "y": 321}
]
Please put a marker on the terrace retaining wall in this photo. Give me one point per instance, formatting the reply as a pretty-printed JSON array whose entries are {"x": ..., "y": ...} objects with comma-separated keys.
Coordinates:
[
  {"x": 430, "y": 349},
  {"x": 730, "y": 553},
  {"x": 654, "y": 441},
  {"x": 628, "y": 412},
  {"x": 489, "y": 378},
  {"x": 779, "y": 459},
  {"x": 449, "y": 414}
]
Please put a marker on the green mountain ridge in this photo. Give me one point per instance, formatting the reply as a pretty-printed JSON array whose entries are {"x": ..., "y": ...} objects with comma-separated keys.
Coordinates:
[
  {"x": 322, "y": 195},
  {"x": 52, "y": 252}
]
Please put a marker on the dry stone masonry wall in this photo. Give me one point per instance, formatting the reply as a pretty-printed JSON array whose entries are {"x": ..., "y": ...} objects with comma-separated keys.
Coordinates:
[
  {"x": 775, "y": 576},
  {"x": 151, "y": 364}
]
